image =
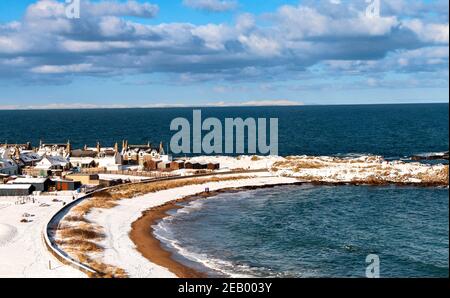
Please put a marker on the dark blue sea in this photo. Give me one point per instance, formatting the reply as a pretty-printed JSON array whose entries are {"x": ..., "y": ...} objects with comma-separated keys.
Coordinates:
[
  {"x": 388, "y": 130},
  {"x": 314, "y": 231},
  {"x": 294, "y": 231}
]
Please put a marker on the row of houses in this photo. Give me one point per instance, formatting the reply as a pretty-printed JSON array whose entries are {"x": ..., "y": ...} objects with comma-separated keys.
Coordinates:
[
  {"x": 180, "y": 164},
  {"x": 54, "y": 159},
  {"x": 60, "y": 167}
]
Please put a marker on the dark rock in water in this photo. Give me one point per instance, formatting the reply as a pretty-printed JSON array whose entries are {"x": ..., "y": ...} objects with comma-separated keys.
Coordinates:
[{"x": 434, "y": 156}]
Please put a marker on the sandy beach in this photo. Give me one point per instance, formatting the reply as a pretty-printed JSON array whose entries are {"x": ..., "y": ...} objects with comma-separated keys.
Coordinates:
[{"x": 151, "y": 248}]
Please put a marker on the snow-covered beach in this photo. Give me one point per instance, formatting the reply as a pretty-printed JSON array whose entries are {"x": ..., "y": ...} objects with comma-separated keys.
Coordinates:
[
  {"x": 22, "y": 251},
  {"x": 120, "y": 250}
]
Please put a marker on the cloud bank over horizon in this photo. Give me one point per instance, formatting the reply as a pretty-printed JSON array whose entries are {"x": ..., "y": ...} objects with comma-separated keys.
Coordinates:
[{"x": 298, "y": 48}]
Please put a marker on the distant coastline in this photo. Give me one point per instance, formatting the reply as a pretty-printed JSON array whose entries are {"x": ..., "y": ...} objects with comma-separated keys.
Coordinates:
[{"x": 57, "y": 107}]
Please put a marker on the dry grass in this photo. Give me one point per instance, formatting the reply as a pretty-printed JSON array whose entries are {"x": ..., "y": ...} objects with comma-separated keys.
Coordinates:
[
  {"x": 82, "y": 245},
  {"x": 81, "y": 233},
  {"x": 87, "y": 206},
  {"x": 297, "y": 165},
  {"x": 74, "y": 218},
  {"x": 255, "y": 158}
]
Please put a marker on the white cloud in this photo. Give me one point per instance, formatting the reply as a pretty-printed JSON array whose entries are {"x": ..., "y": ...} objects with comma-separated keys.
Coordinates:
[
  {"x": 47, "y": 9},
  {"x": 130, "y": 8},
  {"x": 212, "y": 5},
  {"x": 260, "y": 45},
  {"x": 61, "y": 69},
  {"x": 437, "y": 33},
  {"x": 286, "y": 43}
]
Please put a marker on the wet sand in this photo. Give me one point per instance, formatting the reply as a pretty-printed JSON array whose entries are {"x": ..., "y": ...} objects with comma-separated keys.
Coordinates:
[{"x": 142, "y": 235}]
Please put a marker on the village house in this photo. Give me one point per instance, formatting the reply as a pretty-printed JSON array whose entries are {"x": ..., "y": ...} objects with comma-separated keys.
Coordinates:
[
  {"x": 30, "y": 158},
  {"x": 177, "y": 165},
  {"x": 10, "y": 162},
  {"x": 65, "y": 185},
  {"x": 164, "y": 165},
  {"x": 61, "y": 150},
  {"x": 21, "y": 155},
  {"x": 39, "y": 184},
  {"x": 8, "y": 167},
  {"x": 22, "y": 147},
  {"x": 142, "y": 154},
  {"x": 102, "y": 157},
  {"x": 16, "y": 190},
  {"x": 84, "y": 179},
  {"x": 52, "y": 165}
]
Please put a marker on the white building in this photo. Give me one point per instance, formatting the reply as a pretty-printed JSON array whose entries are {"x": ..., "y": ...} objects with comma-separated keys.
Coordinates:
[
  {"x": 53, "y": 163},
  {"x": 102, "y": 157}
]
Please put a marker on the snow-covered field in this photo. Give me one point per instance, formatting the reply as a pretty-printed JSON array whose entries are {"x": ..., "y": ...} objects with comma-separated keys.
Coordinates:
[
  {"x": 22, "y": 251},
  {"x": 241, "y": 162},
  {"x": 363, "y": 169},
  {"x": 371, "y": 169}
]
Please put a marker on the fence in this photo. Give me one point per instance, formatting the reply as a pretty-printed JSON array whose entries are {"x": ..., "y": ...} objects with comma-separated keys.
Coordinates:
[{"x": 153, "y": 174}]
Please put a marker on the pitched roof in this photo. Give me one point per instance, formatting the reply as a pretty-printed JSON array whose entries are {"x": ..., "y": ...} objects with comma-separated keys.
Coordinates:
[
  {"x": 83, "y": 153},
  {"x": 4, "y": 163}
]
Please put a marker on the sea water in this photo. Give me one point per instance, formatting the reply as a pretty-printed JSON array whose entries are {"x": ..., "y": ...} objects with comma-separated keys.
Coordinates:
[{"x": 313, "y": 231}]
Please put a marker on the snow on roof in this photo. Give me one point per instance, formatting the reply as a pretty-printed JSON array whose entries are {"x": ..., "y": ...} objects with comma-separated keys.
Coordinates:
[
  {"x": 6, "y": 163},
  {"x": 53, "y": 161},
  {"x": 57, "y": 159},
  {"x": 28, "y": 180},
  {"x": 15, "y": 186},
  {"x": 30, "y": 156}
]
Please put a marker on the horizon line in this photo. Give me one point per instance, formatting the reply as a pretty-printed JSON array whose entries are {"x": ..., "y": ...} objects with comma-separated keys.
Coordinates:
[{"x": 175, "y": 106}]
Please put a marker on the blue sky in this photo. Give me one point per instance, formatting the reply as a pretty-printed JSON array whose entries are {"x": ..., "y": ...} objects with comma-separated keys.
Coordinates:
[{"x": 221, "y": 52}]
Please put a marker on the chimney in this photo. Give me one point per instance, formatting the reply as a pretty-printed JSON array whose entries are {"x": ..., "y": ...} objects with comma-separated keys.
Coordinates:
[
  {"x": 116, "y": 148},
  {"x": 98, "y": 147},
  {"x": 17, "y": 153},
  {"x": 68, "y": 147}
]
